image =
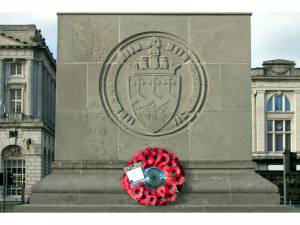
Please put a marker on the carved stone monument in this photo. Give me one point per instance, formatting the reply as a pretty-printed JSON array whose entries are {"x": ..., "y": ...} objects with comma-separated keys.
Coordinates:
[
  {"x": 152, "y": 85},
  {"x": 178, "y": 81}
]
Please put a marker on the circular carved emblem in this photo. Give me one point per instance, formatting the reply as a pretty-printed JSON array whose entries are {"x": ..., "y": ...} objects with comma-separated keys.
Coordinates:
[{"x": 152, "y": 84}]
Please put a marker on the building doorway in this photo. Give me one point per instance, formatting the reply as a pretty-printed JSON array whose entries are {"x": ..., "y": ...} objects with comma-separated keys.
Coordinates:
[{"x": 13, "y": 164}]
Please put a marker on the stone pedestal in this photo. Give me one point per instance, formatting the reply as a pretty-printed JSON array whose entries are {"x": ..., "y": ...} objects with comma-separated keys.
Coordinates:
[{"x": 178, "y": 81}]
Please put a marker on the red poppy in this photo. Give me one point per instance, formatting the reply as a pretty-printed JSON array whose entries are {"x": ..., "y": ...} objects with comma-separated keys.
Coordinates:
[
  {"x": 145, "y": 198},
  {"x": 179, "y": 188},
  {"x": 171, "y": 165},
  {"x": 163, "y": 161},
  {"x": 170, "y": 187},
  {"x": 138, "y": 154},
  {"x": 154, "y": 150},
  {"x": 167, "y": 173},
  {"x": 136, "y": 192},
  {"x": 175, "y": 171},
  {"x": 157, "y": 157},
  {"x": 178, "y": 179},
  {"x": 152, "y": 199},
  {"x": 160, "y": 191},
  {"x": 149, "y": 158},
  {"x": 171, "y": 197},
  {"x": 139, "y": 158},
  {"x": 171, "y": 171},
  {"x": 177, "y": 160},
  {"x": 181, "y": 169},
  {"x": 161, "y": 200},
  {"x": 125, "y": 182},
  {"x": 172, "y": 155},
  {"x": 149, "y": 150},
  {"x": 162, "y": 150}
]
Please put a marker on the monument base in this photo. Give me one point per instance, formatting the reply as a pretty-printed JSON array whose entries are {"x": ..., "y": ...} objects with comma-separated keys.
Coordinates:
[
  {"x": 171, "y": 208},
  {"x": 90, "y": 186}
]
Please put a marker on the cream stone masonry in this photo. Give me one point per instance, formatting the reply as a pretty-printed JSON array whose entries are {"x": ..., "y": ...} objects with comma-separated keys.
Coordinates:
[
  {"x": 178, "y": 81},
  {"x": 25, "y": 60},
  {"x": 259, "y": 132},
  {"x": 2, "y": 87},
  {"x": 276, "y": 77}
]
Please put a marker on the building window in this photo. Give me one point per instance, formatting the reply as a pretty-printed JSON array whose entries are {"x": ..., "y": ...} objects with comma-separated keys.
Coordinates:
[
  {"x": 16, "y": 69},
  {"x": 13, "y": 134},
  {"x": 278, "y": 103},
  {"x": 279, "y": 123},
  {"x": 13, "y": 163},
  {"x": 15, "y": 101},
  {"x": 278, "y": 135}
]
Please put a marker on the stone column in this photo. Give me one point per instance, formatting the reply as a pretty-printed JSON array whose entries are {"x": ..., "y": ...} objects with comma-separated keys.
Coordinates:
[
  {"x": 260, "y": 121},
  {"x": 254, "y": 121},
  {"x": 296, "y": 124},
  {"x": 52, "y": 101},
  {"x": 44, "y": 93},
  {"x": 45, "y": 105},
  {"x": 29, "y": 89},
  {"x": 49, "y": 96},
  {"x": 2, "y": 86},
  {"x": 39, "y": 90}
]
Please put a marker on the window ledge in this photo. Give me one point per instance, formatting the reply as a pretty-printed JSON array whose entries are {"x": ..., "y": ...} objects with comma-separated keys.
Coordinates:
[
  {"x": 269, "y": 155},
  {"x": 280, "y": 115},
  {"x": 280, "y": 112}
]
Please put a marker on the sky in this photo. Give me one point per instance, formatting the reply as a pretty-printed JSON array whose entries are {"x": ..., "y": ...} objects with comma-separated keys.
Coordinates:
[{"x": 273, "y": 35}]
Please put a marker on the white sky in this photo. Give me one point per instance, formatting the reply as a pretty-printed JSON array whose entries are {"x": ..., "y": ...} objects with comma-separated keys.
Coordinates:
[
  {"x": 274, "y": 35},
  {"x": 275, "y": 24}
]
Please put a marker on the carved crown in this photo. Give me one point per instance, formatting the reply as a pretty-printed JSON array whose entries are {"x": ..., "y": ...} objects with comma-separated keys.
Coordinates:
[{"x": 154, "y": 62}]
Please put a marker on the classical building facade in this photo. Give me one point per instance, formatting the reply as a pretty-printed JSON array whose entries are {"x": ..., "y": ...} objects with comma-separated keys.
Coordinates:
[
  {"x": 275, "y": 121},
  {"x": 27, "y": 108}
]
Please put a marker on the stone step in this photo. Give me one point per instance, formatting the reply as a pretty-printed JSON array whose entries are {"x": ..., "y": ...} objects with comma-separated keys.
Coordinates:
[{"x": 169, "y": 208}]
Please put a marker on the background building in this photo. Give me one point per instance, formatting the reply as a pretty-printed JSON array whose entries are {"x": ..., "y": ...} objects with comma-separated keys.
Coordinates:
[
  {"x": 276, "y": 121},
  {"x": 27, "y": 107}
]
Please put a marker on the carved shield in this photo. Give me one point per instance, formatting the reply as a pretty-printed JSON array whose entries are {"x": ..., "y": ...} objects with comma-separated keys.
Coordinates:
[{"x": 154, "y": 99}]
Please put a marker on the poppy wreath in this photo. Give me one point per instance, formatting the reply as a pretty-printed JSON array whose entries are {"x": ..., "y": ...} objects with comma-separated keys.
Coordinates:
[{"x": 173, "y": 172}]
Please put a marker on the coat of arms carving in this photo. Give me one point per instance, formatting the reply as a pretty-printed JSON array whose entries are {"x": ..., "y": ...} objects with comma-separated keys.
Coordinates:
[
  {"x": 152, "y": 84},
  {"x": 154, "y": 88}
]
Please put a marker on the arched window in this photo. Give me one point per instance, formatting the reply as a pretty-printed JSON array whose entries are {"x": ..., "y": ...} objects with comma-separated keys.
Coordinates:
[
  {"x": 279, "y": 123},
  {"x": 278, "y": 103},
  {"x": 13, "y": 163},
  {"x": 287, "y": 104}
]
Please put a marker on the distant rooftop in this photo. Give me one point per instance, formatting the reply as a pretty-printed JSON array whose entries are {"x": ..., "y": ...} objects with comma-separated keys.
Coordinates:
[
  {"x": 275, "y": 62},
  {"x": 17, "y": 27},
  {"x": 276, "y": 69},
  {"x": 27, "y": 35}
]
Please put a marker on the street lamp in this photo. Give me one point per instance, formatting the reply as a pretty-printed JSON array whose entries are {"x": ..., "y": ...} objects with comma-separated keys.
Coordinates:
[
  {"x": 289, "y": 168},
  {"x": 285, "y": 171}
]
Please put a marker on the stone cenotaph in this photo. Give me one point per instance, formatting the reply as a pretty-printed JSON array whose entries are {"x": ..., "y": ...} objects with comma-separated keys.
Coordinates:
[{"x": 128, "y": 81}]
